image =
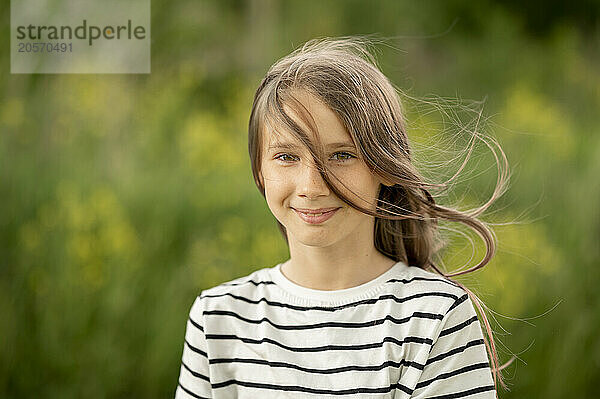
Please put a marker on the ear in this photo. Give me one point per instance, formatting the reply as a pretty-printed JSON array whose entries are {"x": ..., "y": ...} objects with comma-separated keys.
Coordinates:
[{"x": 260, "y": 178}]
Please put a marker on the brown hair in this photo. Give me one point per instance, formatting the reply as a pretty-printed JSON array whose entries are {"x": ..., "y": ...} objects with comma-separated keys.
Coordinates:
[{"x": 343, "y": 74}]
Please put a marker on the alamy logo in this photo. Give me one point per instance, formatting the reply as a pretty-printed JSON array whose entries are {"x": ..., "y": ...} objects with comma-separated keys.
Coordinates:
[{"x": 80, "y": 36}]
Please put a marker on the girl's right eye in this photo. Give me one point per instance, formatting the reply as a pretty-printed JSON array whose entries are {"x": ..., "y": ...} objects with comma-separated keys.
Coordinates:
[{"x": 282, "y": 156}]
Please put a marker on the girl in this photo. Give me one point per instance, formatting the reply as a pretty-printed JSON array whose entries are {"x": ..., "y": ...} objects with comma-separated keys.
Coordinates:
[{"x": 359, "y": 309}]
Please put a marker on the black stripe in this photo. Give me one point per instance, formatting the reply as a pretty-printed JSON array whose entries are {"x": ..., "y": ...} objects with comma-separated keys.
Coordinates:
[
  {"x": 464, "y": 393},
  {"x": 454, "y": 351},
  {"x": 298, "y": 388},
  {"x": 199, "y": 351},
  {"x": 338, "y": 392},
  {"x": 382, "y": 366},
  {"x": 422, "y": 315},
  {"x": 452, "y": 373},
  {"x": 198, "y": 326},
  {"x": 441, "y": 280},
  {"x": 418, "y": 340},
  {"x": 394, "y": 280},
  {"x": 191, "y": 393},
  {"x": 195, "y": 373},
  {"x": 335, "y": 308},
  {"x": 256, "y": 283},
  {"x": 458, "y": 326},
  {"x": 457, "y": 302}
]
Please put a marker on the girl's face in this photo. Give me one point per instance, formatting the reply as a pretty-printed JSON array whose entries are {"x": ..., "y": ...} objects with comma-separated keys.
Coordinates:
[{"x": 292, "y": 181}]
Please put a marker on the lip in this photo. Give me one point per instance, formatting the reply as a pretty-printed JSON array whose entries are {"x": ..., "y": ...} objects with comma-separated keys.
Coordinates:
[
  {"x": 320, "y": 210},
  {"x": 310, "y": 218}
]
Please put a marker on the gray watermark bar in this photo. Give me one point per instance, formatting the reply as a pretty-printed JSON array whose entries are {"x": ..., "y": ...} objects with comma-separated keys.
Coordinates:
[{"x": 80, "y": 36}]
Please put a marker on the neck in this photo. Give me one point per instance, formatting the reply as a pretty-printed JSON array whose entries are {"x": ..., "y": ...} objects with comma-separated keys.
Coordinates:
[{"x": 324, "y": 268}]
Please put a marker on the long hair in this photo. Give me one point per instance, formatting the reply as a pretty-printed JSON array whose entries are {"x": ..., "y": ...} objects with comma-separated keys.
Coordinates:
[{"x": 343, "y": 74}]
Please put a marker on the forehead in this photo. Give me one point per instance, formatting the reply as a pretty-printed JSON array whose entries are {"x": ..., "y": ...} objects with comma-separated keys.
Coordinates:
[{"x": 309, "y": 112}]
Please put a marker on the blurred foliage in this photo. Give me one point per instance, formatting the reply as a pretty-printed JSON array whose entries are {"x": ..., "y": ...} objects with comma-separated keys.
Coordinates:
[{"x": 123, "y": 196}]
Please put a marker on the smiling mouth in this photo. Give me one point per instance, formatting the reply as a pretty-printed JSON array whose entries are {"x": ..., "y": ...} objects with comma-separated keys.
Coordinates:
[{"x": 316, "y": 218}]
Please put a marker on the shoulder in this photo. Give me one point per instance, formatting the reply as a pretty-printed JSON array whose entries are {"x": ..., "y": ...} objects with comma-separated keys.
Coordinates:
[
  {"x": 420, "y": 280},
  {"x": 428, "y": 290},
  {"x": 241, "y": 288},
  {"x": 240, "y": 284},
  {"x": 453, "y": 302}
]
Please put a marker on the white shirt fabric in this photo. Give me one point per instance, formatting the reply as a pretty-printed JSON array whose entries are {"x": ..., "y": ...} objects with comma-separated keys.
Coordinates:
[{"x": 408, "y": 333}]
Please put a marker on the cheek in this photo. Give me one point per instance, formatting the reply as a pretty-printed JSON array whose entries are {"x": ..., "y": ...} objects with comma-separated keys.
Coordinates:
[
  {"x": 277, "y": 179},
  {"x": 270, "y": 174},
  {"x": 364, "y": 188},
  {"x": 276, "y": 191},
  {"x": 272, "y": 203}
]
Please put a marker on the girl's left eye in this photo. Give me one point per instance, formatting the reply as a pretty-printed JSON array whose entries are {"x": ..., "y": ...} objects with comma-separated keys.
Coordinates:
[{"x": 345, "y": 154}]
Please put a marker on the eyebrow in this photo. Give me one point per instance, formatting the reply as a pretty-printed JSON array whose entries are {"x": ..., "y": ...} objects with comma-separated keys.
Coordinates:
[{"x": 292, "y": 146}]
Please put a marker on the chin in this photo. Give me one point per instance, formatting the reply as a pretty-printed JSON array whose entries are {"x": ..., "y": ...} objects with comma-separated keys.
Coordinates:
[{"x": 313, "y": 239}]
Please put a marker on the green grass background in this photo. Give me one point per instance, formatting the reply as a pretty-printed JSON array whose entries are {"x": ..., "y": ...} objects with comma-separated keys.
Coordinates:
[{"x": 123, "y": 196}]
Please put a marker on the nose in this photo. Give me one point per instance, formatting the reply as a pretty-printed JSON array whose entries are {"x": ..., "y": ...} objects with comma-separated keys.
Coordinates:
[{"x": 310, "y": 183}]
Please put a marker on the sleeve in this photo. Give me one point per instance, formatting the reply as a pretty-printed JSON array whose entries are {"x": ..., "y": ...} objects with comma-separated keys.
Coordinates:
[
  {"x": 457, "y": 365},
  {"x": 194, "y": 379}
]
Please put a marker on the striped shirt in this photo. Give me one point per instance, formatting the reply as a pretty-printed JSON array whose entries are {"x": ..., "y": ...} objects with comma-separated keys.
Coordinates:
[{"x": 408, "y": 333}]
